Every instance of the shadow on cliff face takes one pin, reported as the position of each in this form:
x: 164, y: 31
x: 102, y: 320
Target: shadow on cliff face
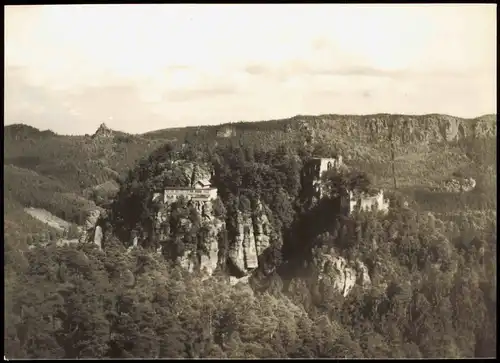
x: 301, y: 237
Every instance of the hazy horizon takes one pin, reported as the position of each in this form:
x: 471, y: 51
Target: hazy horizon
x: 140, y: 68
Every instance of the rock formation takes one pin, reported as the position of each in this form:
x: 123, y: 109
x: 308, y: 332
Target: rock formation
x: 210, y: 259
x: 226, y: 131
x: 459, y: 185
x: 341, y: 274
x: 243, y: 252
x: 90, y: 231
x: 203, y: 255
x: 98, y: 235
x: 235, y: 281
x: 404, y: 128
x: 262, y: 228
x: 252, y: 239
x: 102, y: 132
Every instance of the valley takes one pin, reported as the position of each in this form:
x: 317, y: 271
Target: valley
x: 266, y: 229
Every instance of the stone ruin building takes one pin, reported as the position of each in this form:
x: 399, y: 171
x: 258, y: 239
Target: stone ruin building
x: 312, y: 172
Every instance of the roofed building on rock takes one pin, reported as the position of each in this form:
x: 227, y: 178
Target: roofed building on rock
x: 200, y: 193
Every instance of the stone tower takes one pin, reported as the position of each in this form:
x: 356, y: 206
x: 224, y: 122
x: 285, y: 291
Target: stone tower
x: 313, y: 170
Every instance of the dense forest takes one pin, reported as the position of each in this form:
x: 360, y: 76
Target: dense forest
x: 431, y: 260
x: 433, y: 291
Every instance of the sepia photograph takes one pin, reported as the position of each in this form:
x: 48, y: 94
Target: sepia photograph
x: 250, y: 181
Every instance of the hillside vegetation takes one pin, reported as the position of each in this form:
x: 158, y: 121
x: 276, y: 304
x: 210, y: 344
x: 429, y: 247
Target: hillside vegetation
x: 430, y: 261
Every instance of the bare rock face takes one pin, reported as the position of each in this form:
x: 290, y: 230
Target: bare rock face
x: 262, y: 229
x: 342, y: 274
x: 248, y: 242
x: 237, y: 253
x: 92, y: 218
x: 103, y: 132
x: 252, y: 239
x: 98, y: 235
x: 363, y: 276
x: 195, y: 171
x: 235, y: 281
x: 210, y: 260
x: 89, y: 226
x: 226, y: 131
x: 400, y: 129
x: 202, y: 257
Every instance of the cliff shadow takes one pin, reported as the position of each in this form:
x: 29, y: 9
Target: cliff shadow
x: 301, y: 237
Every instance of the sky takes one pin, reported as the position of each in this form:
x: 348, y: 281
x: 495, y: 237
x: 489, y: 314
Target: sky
x: 139, y: 68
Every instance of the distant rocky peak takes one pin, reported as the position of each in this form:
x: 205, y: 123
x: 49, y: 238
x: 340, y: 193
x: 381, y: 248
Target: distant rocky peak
x: 103, y: 131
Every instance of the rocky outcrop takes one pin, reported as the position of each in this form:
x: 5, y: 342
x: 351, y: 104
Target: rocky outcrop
x: 210, y: 259
x: 194, y: 171
x: 243, y: 252
x: 252, y: 239
x: 103, y: 132
x: 459, y: 185
x: 90, y: 231
x: 202, y: 256
x: 98, y: 235
x: 135, y: 242
x: 363, y: 277
x: 406, y: 129
x: 343, y: 275
x: 226, y: 131
x: 235, y: 281
x: 191, y: 172
x: 262, y: 228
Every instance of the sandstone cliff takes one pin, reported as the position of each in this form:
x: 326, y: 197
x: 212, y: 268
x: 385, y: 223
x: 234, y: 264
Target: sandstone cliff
x: 91, y: 231
x: 337, y: 271
x: 400, y: 128
x: 194, y: 244
x: 206, y: 249
x: 252, y: 239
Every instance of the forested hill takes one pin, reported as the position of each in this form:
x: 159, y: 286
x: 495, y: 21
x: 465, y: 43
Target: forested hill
x: 367, y: 140
x: 417, y: 282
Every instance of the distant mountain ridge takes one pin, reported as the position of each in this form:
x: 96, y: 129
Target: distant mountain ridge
x: 421, y: 145
x: 487, y: 119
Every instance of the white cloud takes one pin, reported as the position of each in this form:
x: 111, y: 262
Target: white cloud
x: 152, y: 65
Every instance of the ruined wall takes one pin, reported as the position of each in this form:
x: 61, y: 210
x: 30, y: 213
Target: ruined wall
x: 367, y: 203
x: 313, y: 170
x: 311, y: 179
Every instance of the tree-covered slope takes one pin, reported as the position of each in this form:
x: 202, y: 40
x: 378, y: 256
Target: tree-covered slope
x: 428, y: 266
